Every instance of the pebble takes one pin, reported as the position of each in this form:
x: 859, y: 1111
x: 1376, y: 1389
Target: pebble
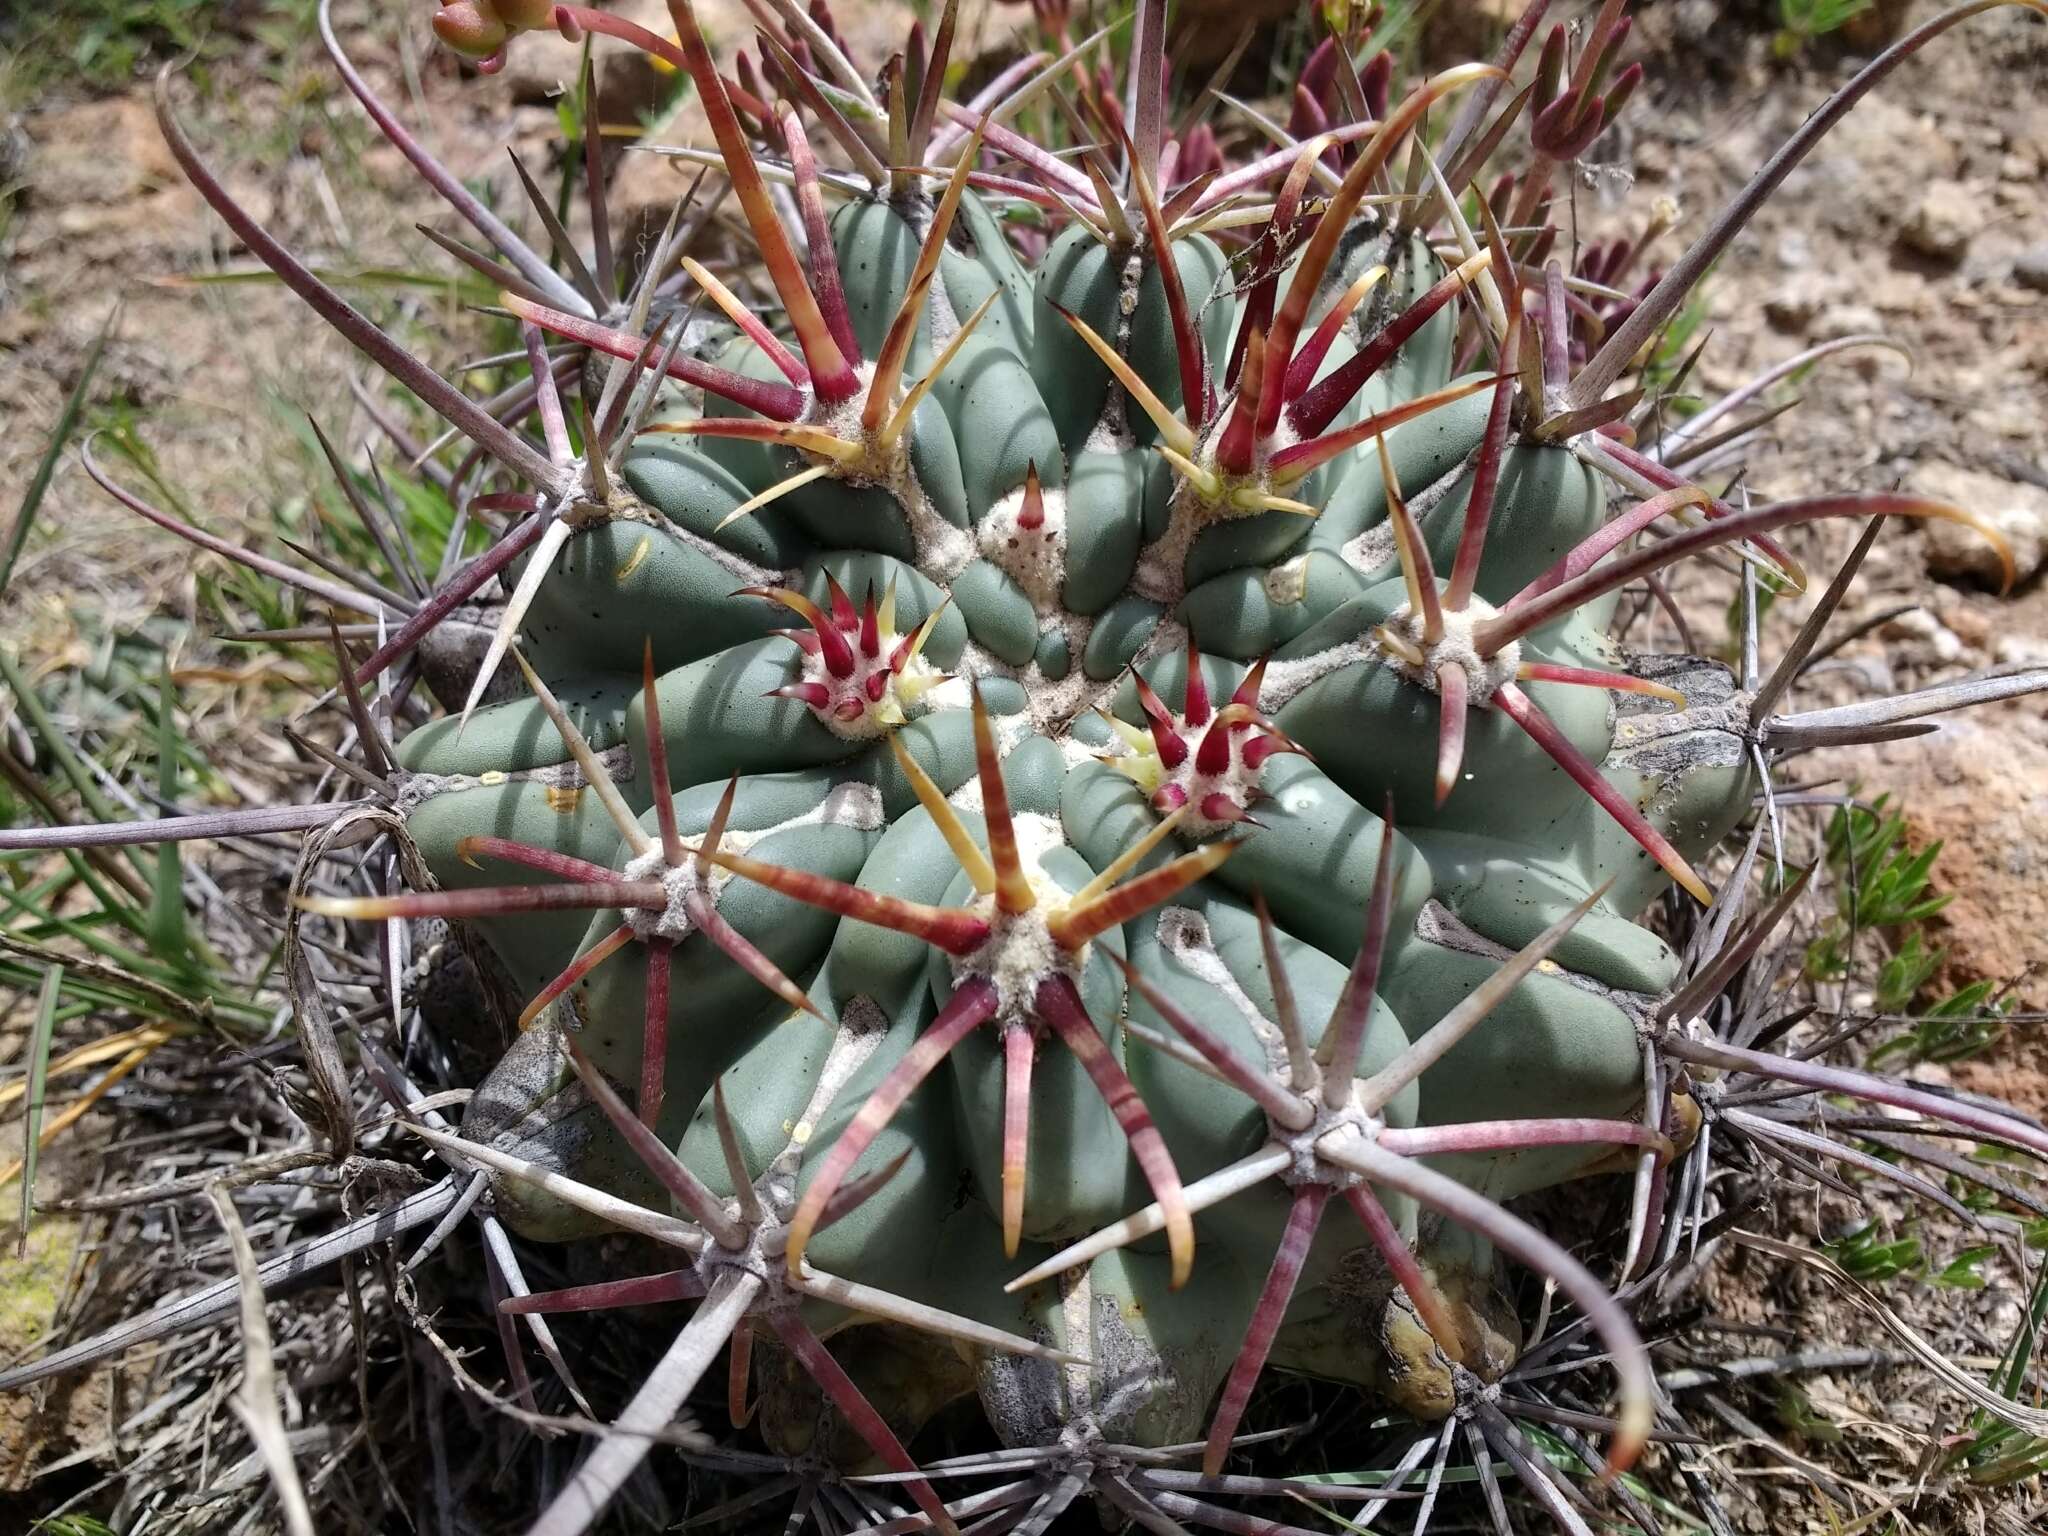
x: 1791, y: 306
x: 2018, y: 512
x: 1919, y: 636
x: 1840, y: 320
x: 1943, y: 223
x: 2030, y: 269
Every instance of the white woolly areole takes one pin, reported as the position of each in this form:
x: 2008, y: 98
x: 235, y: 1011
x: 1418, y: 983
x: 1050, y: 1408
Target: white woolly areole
x: 845, y: 805
x: 1485, y: 675
x: 1019, y: 952
x: 943, y: 551
x: 678, y: 883
x: 1035, y: 558
x: 581, y: 505
x: 1236, y: 779
x: 1308, y: 1165
x: 1161, y: 574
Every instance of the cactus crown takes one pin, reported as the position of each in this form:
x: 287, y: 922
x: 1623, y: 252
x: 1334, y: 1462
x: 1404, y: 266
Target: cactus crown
x: 1099, y: 709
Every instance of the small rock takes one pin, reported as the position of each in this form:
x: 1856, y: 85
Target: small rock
x: 1793, y: 304
x: 1968, y: 620
x: 1919, y: 636
x: 1943, y: 223
x: 1839, y: 320
x: 1871, y: 674
x: 2018, y: 512
x: 2030, y: 269
x: 1902, y: 293
x: 2020, y: 651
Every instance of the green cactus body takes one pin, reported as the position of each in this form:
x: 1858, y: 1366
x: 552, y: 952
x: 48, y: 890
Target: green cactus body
x: 1029, y: 516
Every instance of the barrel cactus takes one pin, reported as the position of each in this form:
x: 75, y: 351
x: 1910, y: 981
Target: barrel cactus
x: 1014, y: 781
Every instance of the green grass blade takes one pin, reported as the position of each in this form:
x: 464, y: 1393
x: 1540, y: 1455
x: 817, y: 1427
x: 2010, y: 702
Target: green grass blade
x: 58, y: 746
x: 83, y: 929
x: 2012, y: 1371
x: 105, y: 987
x: 39, y: 483
x: 38, y: 1073
x: 167, y: 934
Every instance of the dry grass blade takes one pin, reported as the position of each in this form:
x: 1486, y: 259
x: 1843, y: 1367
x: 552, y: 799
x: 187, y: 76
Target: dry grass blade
x: 213, y: 1301
x: 76, y: 1110
x: 259, y: 822
x: 107, y: 1048
x: 38, y: 1076
x: 256, y: 1402
x: 2032, y: 1421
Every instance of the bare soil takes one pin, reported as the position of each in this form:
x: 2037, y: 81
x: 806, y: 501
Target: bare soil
x: 1957, y: 138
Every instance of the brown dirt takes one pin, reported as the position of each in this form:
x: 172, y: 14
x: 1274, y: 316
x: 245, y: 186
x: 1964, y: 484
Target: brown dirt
x: 1957, y: 138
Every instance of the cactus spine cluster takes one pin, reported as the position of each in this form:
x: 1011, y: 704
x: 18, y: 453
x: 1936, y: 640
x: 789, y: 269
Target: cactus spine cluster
x: 1087, y: 739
